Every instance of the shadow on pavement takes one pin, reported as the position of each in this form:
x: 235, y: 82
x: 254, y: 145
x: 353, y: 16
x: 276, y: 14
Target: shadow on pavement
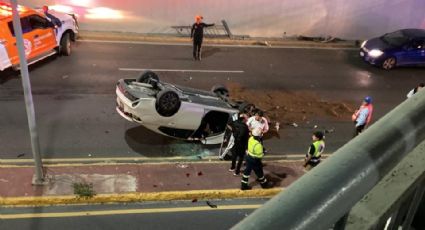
x: 150, y: 144
x: 8, y: 75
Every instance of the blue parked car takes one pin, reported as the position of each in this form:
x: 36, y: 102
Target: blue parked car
x: 399, y: 48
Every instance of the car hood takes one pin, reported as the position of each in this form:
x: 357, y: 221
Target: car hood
x: 377, y: 43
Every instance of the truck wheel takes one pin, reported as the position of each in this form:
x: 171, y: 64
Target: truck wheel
x: 167, y: 103
x: 65, y: 45
x: 220, y: 90
x: 148, y: 77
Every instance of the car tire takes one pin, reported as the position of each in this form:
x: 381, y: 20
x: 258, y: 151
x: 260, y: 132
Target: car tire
x: 167, y: 103
x: 220, y: 91
x: 65, y: 45
x: 389, y: 63
x: 247, y: 108
x: 147, y: 76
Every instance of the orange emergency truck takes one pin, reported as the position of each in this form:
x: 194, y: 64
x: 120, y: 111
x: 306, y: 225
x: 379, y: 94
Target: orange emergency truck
x: 41, y: 37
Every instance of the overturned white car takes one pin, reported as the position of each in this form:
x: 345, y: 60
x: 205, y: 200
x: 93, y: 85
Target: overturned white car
x: 176, y: 111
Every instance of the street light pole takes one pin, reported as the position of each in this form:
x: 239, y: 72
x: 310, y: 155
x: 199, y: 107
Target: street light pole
x: 39, y: 177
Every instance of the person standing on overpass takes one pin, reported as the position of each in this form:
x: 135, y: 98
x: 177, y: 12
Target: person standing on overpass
x: 197, y: 35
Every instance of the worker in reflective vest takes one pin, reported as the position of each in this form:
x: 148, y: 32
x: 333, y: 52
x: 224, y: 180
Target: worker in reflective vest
x: 315, y: 151
x: 253, y: 161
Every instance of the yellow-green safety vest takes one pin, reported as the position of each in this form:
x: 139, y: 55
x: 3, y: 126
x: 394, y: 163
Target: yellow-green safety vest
x: 255, y: 148
x: 317, y: 147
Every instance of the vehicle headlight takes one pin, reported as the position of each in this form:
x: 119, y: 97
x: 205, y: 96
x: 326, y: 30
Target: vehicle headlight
x: 375, y: 53
x: 363, y: 44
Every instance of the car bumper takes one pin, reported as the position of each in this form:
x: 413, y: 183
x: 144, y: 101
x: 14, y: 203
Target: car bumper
x: 124, y: 109
x: 371, y: 60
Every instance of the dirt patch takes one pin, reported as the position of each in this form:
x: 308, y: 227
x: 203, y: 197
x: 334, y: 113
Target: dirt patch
x: 288, y: 106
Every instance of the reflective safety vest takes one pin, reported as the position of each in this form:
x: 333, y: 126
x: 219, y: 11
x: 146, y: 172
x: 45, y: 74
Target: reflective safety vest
x: 255, y: 148
x: 319, y: 147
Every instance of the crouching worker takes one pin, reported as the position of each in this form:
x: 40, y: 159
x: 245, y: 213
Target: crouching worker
x: 315, y: 151
x: 253, y: 159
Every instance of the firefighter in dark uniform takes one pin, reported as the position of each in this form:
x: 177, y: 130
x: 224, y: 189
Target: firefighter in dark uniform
x: 197, y: 34
x: 240, y: 133
x: 254, y: 154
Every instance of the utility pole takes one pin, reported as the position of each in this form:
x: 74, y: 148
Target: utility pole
x: 35, y: 145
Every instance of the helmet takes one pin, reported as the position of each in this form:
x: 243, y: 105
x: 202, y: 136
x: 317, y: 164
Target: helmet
x: 368, y: 99
x: 256, y: 132
x: 198, y: 17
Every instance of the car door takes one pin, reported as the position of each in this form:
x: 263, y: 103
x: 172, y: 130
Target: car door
x: 44, y: 37
x: 38, y: 38
x: 422, y: 53
x: 413, y: 52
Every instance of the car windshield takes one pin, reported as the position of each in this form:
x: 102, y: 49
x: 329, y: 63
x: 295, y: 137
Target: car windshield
x: 396, y: 38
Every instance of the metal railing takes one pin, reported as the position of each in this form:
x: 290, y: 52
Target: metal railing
x: 213, y: 31
x: 327, y: 193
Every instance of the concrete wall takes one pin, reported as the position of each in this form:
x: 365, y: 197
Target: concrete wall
x: 261, y: 18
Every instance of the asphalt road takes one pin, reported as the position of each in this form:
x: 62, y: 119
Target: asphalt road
x: 74, y: 96
x: 222, y: 214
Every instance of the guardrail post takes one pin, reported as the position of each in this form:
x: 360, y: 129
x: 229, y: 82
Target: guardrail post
x: 226, y: 27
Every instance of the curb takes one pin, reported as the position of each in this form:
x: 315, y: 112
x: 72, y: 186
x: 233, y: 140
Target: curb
x: 193, y: 195
x: 141, y: 160
x: 171, y: 38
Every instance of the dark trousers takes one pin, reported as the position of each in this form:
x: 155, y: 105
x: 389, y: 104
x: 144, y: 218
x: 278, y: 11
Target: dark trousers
x: 255, y: 164
x: 197, y: 44
x: 359, y: 129
x: 238, y: 154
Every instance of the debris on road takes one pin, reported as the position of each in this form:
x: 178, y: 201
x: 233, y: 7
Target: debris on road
x: 194, y: 200
x: 291, y: 106
x: 183, y: 166
x: 200, y: 173
x: 20, y: 155
x: 211, y: 204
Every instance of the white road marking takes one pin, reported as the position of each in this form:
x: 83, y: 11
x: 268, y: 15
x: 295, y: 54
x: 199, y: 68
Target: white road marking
x: 183, y: 70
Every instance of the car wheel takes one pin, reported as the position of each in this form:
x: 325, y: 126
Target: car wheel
x: 220, y: 90
x: 389, y: 63
x: 167, y: 103
x: 148, y: 77
x: 65, y: 45
x: 247, y: 108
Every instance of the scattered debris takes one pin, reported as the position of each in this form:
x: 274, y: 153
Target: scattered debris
x: 155, y: 185
x: 107, y: 131
x: 194, y: 200
x: 287, y: 107
x: 200, y: 173
x: 330, y: 130
x: 65, y: 76
x: 20, y: 155
x: 188, y: 184
x: 4, y: 180
x: 277, y: 126
x: 89, y: 155
x: 187, y: 174
x: 211, y: 204
x: 315, y: 127
x: 183, y: 166
x: 295, y: 125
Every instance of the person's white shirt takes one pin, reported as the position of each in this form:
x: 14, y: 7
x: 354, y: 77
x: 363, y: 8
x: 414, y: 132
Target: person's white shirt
x: 262, y: 124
